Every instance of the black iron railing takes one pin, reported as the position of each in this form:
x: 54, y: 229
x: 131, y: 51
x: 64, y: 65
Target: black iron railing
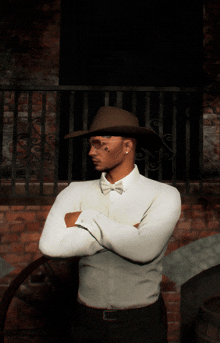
x: 35, y: 160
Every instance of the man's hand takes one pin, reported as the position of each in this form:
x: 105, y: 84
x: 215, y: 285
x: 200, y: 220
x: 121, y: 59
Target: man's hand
x: 71, y: 218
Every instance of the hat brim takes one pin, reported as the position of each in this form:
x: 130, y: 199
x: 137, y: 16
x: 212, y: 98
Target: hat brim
x: 145, y: 136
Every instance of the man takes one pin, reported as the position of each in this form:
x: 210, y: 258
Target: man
x: 120, y: 226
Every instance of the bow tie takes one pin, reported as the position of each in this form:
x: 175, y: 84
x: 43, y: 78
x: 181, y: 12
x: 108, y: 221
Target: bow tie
x: 107, y: 187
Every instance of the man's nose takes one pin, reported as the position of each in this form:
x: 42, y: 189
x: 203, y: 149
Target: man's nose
x: 92, y: 151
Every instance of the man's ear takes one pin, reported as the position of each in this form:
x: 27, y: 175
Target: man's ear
x: 130, y: 143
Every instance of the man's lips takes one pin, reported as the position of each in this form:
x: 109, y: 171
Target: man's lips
x: 95, y: 161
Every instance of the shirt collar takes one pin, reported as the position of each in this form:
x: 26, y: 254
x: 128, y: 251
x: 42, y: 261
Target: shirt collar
x: 127, y: 181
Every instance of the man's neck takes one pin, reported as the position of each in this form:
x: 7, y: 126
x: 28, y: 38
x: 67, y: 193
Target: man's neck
x: 115, y: 175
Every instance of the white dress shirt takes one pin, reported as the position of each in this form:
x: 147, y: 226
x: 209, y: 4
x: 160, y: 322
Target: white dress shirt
x: 120, y: 265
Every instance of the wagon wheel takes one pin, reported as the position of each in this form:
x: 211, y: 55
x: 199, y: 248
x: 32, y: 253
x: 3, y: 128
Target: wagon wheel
x: 55, y: 293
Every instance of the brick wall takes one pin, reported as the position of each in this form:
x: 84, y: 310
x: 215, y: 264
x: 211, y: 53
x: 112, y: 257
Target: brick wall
x: 29, y: 54
x: 21, y: 227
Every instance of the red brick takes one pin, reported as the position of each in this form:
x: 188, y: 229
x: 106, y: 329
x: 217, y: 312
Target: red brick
x: 171, y: 296
x: 198, y: 225
x: 204, y: 234
x: 173, y: 337
x: 184, y: 225
x: 46, y: 208
x: 15, y: 258
x: 209, y: 215
x: 4, y: 208
x: 33, y: 226
x: 4, y: 227
x: 195, y: 214
x: 1, y: 217
x: 168, y: 286
x: 9, y: 237
x: 217, y: 214
x: 4, y: 248
x: 18, y: 227
x: 20, y: 266
x: 213, y: 225
x: 42, y: 215
x: 37, y: 255
x: 173, y: 317
x: 20, y: 216
x: 174, y: 327
x: 171, y: 247
x: 184, y: 243
x: 178, y: 234
x: 17, y: 208
x: 165, y: 278
x: 185, y: 207
x: 188, y: 237
x: 32, y: 247
x: 182, y: 215
x: 173, y: 307
x: 197, y: 207
x: 17, y: 247
x: 33, y: 208
x: 7, y: 279
x: 26, y: 237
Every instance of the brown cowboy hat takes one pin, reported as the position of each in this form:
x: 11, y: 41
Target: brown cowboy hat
x: 115, y: 121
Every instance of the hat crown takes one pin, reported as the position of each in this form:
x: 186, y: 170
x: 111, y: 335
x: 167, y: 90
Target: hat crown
x: 108, y: 116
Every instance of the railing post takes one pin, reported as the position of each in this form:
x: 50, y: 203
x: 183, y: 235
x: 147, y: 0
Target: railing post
x: 29, y: 143
x: 1, y: 128
x: 71, y: 128
x: 174, y: 139
x: 43, y: 139
x: 119, y: 99
x: 147, y: 120
x: 187, y: 149
x: 14, y: 151
x: 106, y: 101
x: 134, y: 103
x: 201, y: 149
x: 85, y: 126
x: 161, y: 106
x: 57, y: 130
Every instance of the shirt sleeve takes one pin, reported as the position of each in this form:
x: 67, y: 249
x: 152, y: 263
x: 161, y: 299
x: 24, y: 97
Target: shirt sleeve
x: 145, y: 243
x: 59, y: 241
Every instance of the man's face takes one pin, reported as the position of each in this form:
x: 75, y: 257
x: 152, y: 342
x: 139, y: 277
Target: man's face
x: 107, y: 152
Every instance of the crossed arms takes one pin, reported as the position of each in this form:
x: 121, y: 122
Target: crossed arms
x: 71, y: 218
x: 67, y: 233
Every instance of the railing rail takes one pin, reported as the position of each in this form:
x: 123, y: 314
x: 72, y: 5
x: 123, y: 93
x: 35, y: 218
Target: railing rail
x: 99, y: 88
x: 33, y: 120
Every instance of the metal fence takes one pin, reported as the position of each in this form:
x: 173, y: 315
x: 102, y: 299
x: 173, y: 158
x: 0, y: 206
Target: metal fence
x: 36, y: 161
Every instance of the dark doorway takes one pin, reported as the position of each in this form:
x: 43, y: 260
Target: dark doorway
x: 142, y: 42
